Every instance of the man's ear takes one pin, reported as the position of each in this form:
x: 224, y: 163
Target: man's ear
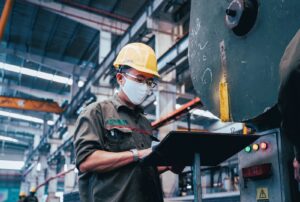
x: 120, y: 79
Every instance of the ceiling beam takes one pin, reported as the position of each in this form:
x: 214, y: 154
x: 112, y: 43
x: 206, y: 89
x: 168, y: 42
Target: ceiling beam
x: 83, y: 53
x: 70, y: 40
x: 36, y: 93
x: 51, y: 34
x: 33, y: 20
x: 21, y: 136
x: 22, y: 124
x: 13, y: 146
x: 16, y: 128
x: 89, y: 19
x: 57, y: 65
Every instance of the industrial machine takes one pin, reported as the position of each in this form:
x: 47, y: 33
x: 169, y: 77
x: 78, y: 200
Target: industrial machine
x: 264, y: 168
x: 247, y: 62
x: 234, y: 52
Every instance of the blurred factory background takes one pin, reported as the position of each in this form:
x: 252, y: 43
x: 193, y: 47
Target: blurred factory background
x: 56, y: 58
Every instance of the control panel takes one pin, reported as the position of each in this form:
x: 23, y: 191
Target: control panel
x: 265, y: 171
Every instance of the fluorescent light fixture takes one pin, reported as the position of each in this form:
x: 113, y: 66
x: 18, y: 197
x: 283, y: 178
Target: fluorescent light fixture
x: 29, y: 72
x: 22, y: 117
x: 9, y: 67
x: 61, y: 79
x: 43, y: 75
x: 11, y: 165
x: 8, y: 139
x: 35, y: 73
x: 50, y: 122
x: 80, y: 83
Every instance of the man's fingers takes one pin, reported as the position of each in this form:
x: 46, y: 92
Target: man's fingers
x: 296, y: 170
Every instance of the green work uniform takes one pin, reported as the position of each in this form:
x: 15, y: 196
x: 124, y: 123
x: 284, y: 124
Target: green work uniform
x: 112, y: 126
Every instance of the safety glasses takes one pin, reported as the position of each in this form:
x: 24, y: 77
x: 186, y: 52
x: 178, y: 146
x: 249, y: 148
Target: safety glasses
x: 149, y: 82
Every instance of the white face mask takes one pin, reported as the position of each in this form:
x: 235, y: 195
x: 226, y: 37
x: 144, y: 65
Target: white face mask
x: 135, y: 91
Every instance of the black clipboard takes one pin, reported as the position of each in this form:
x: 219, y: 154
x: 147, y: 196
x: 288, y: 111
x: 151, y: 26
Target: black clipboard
x: 178, y: 148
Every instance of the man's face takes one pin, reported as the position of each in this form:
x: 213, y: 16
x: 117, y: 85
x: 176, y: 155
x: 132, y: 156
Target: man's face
x: 137, y: 92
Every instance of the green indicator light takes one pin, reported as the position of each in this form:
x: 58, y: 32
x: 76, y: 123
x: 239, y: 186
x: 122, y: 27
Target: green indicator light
x: 248, y: 149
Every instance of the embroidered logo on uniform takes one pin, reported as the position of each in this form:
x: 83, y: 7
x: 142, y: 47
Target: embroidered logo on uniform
x: 117, y: 122
x: 123, y: 124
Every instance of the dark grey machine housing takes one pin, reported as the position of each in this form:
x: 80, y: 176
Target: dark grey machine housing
x: 255, y: 38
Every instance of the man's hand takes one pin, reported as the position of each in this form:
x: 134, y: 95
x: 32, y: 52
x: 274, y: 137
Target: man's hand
x: 174, y: 169
x: 296, y: 165
x: 177, y: 169
x: 145, y: 152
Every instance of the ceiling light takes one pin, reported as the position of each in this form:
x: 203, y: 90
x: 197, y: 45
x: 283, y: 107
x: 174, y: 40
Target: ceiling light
x: 9, y: 67
x: 43, y: 75
x: 50, y: 122
x: 35, y: 73
x: 29, y: 72
x: 80, y: 83
x: 8, y: 139
x: 22, y: 117
x: 11, y: 165
x: 61, y: 79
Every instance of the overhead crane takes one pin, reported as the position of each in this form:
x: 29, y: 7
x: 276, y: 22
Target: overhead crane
x: 32, y: 105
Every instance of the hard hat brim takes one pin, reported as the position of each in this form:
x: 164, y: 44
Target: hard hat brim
x: 140, y: 69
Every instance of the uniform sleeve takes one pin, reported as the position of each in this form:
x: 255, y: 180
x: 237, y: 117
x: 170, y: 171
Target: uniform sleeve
x: 297, y: 153
x: 289, y: 94
x: 88, y: 134
x: 289, y: 99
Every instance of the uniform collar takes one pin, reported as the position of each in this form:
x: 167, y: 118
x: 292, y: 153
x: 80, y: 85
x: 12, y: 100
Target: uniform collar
x: 119, y: 104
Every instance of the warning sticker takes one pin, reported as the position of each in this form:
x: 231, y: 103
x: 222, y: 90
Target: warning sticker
x: 262, y: 194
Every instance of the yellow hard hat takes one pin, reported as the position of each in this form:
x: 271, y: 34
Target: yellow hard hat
x: 32, y: 189
x: 22, y: 193
x: 138, y: 56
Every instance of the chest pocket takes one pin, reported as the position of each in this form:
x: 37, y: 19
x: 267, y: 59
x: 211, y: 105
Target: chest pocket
x: 118, y: 139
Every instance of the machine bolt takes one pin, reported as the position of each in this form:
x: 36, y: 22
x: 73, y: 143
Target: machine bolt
x: 231, y: 12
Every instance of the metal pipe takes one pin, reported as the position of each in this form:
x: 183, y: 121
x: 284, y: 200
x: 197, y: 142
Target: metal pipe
x: 4, y: 17
x: 177, y: 113
x: 61, y: 174
x: 109, y: 26
x: 197, y: 178
x: 97, y: 10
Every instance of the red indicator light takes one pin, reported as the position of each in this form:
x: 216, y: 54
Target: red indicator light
x: 263, y: 145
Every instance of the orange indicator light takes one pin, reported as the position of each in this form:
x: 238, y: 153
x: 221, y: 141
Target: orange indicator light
x: 255, y: 147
